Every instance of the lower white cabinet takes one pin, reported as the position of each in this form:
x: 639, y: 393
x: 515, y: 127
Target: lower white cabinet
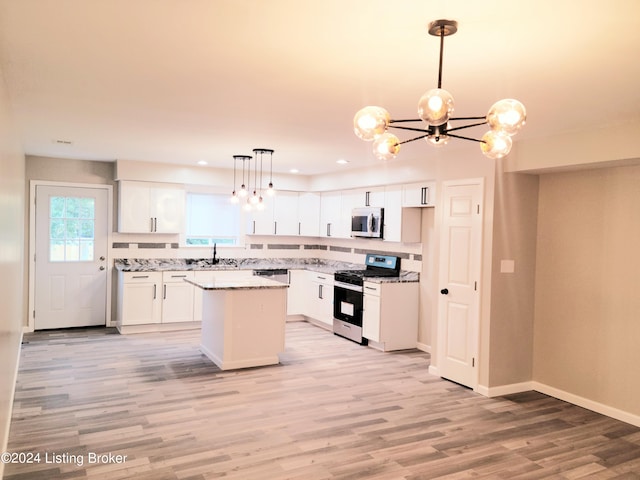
x: 311, y: 295
x: 139, y: 298
x: 177, y: 297
x: 147, y: 298
x: 298, y: 293
x: 322, y: 298
x: 390, y: 315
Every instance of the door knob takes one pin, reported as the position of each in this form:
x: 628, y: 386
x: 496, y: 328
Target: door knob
x: 444, y: 291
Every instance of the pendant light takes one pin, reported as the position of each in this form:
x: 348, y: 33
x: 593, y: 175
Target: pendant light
x: 435, y: 108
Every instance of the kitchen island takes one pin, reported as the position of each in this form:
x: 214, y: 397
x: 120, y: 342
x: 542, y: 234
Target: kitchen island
x: 243, y: 321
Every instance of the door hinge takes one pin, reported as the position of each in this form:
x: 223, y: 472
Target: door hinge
x: 475, y: 286
x: 478, y: 209
x: 473, y: 362
x: 34, y: 314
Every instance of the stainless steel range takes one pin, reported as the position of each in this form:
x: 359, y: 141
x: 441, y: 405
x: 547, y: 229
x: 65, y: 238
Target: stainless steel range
x: 348, y: 294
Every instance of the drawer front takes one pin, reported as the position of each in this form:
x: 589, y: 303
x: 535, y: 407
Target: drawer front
x: 169, y: 277
x: 372, y: 288
x: 142, y: 277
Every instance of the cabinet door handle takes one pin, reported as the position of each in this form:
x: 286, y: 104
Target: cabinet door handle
x: 151, y: 227
x: 371, y: 288
x: 178, y: 276
x: 366, y: 199
x: 140, y: 276
x: 164, y: 292
x: 254, y: 227
x: 320, y: 292
x: 299, y: 227
x: 154, y: 291
x: 328, y: 229
x: 275, y: 228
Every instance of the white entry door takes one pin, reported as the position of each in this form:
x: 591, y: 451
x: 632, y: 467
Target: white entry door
x: 70, y: 257
x: 458, y: 306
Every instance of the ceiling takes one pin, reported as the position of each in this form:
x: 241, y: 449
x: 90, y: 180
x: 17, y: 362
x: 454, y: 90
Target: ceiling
x: 180, y: 81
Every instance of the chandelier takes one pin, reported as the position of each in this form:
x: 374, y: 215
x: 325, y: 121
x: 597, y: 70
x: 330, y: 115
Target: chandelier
x: 255, y: 200
x: 435, y: 108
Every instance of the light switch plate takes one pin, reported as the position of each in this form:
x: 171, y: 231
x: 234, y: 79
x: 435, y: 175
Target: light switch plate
x: 507, y: 266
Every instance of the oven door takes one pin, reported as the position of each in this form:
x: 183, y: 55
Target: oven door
x: 347, y: 303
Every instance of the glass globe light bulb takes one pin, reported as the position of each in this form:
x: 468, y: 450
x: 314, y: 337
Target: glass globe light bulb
x: 243, y: 191
x: 370, y: 122
x: 507, y: 115
x: 260, y: 205
x: 247, y: 206
x: 386, y: 146
x: 271, y: 191
x: 234, y: 197
x: 496, y: 144
x: 254, y: 198
x: 436, y: 106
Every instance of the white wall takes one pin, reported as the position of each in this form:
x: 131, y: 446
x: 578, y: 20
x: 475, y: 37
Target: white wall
x: 12, y: 208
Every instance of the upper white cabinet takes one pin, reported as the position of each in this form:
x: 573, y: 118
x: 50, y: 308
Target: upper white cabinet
x: 288, y: 213
x: 285, y: 214
x: 400, y: 224
x: 150, y: 208
x: 331, y: 218
x: 419, y: 194
x: 309, y: 214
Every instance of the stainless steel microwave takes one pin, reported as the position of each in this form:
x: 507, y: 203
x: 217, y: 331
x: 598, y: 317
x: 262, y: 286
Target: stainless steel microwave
x: 367, y: 222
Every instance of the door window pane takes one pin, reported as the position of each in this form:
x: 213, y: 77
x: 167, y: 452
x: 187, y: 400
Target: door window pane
x: 71, y: 229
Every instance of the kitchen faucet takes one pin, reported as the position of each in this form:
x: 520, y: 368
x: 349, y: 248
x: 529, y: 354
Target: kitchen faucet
x: 214, y: 260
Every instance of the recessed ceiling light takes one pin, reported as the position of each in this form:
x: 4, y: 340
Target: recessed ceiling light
x: 294, y: 170
x: 202, y: 162
x: 342, y: 161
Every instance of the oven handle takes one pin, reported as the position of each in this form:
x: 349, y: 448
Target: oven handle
x: 348, y: 286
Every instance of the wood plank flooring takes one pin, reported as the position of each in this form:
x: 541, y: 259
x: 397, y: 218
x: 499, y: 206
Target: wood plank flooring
x: 331, y: 410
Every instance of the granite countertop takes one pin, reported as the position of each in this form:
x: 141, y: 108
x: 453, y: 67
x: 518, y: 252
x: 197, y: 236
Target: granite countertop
x: 251, y: 283
x: 328, y: 267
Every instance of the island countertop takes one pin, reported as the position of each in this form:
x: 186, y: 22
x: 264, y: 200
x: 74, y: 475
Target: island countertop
x: 249, y: 283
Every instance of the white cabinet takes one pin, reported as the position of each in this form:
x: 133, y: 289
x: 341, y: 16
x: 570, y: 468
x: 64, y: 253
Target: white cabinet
x: 321, y: 302
x: 309, y: 214
x: 139, y: 298
x: 285, y: 215
x: 331, y: 220
x: 292, y: 214
x: 390, y: 315
x: 298, y: 293
x: 261, y: 221
x: 177, y: 297
x: 400, y: 224
x: 150, y: 208
x: 419, y: 194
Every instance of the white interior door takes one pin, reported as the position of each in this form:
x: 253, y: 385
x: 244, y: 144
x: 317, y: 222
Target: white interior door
x: 70, y: 257
x: 458, y: 306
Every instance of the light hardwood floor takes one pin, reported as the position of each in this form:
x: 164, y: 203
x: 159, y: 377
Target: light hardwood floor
x: 331, y: 410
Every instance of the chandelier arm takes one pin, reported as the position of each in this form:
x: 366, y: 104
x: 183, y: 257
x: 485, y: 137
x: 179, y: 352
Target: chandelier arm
x: 465, y: 138
x: 413, y: 139
x: 410, y: 129
x: 406, y: 120
x: 469, y: 118
x: 465, y: 126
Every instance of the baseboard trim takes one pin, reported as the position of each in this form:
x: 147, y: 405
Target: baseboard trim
x: 433, y: 370
x: 587, y: 403
x: 424, y: 347
x: 583, y: 402
x: 505, y: 389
